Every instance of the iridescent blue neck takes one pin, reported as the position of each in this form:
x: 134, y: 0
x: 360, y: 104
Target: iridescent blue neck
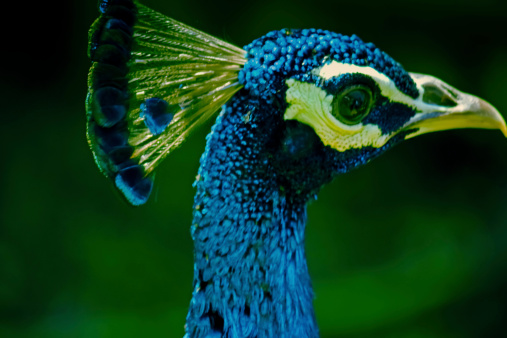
x: 250, y: 274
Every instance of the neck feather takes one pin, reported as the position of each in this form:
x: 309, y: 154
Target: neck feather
x: 250, y: 274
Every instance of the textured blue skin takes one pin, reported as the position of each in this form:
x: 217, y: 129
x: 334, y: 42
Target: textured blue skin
x: 257, y: 175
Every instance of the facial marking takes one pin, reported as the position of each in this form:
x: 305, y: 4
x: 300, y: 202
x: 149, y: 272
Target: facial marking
x: 387, y: 86
x: 311, y: 105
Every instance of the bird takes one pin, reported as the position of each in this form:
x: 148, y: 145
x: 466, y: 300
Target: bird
x: 294, y: 109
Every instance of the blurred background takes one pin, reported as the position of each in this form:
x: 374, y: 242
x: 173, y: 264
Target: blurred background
x: 412, y: 245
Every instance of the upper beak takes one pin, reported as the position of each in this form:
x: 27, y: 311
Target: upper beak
x: 442, y: 107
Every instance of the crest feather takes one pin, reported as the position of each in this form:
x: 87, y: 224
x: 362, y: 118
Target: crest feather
x: 152, y: 82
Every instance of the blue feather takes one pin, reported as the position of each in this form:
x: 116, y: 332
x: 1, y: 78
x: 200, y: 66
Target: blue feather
x: 109, y: 106
x: 134, y: 185
x: 157, y: 115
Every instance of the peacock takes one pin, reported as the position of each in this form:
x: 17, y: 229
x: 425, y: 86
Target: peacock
x: 297, y: 108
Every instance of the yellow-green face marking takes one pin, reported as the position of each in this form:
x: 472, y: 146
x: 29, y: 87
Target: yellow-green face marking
x: 312, y: 105
x: 438, y: 107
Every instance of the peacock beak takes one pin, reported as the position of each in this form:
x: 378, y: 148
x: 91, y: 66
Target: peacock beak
x: 442, y: 107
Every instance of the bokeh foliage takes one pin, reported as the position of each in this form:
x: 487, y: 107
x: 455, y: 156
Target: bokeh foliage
x: 412, y: 245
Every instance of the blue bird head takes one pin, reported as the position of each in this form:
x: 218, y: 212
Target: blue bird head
x: 323, y: 103
x: 345, y: 102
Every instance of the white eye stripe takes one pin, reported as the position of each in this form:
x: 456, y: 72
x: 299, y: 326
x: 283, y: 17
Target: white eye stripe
x: 387, y: 86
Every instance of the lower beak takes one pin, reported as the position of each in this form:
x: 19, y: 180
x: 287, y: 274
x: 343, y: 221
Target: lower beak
x: 442, y: 107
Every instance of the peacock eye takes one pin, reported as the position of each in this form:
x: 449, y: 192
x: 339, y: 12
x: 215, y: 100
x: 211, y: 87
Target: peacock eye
x: 353, y: 104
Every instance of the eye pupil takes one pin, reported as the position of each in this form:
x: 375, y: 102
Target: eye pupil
x: 352, y: 105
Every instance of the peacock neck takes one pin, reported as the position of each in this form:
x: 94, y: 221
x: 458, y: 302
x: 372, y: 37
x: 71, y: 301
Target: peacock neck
x: 250, y: 273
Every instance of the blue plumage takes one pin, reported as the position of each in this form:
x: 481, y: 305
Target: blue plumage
x: 288, y: 53
x: 109, y: 106
x: 249, y: 222
x: 298, y: 108
x: 132, y: 183
x: 157, y: 114
x: 250, y: 268
x: 108, y: 100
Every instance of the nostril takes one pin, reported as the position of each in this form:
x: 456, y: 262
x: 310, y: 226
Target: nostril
x: 451, y: 91
x: 439, y: 96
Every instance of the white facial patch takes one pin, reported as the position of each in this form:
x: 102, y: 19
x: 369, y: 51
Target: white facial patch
x: 312, y: 106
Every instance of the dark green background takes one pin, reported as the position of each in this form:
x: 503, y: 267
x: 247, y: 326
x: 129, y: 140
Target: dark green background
x: 412, y: 245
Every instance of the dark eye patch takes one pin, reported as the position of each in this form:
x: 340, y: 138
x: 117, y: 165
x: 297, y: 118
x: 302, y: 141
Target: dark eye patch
x: 340, y: 83
x: 389, y: 116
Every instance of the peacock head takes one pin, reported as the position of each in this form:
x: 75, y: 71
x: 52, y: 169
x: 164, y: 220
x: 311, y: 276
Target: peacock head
x: 323, y: 103
x: 345, y: 102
